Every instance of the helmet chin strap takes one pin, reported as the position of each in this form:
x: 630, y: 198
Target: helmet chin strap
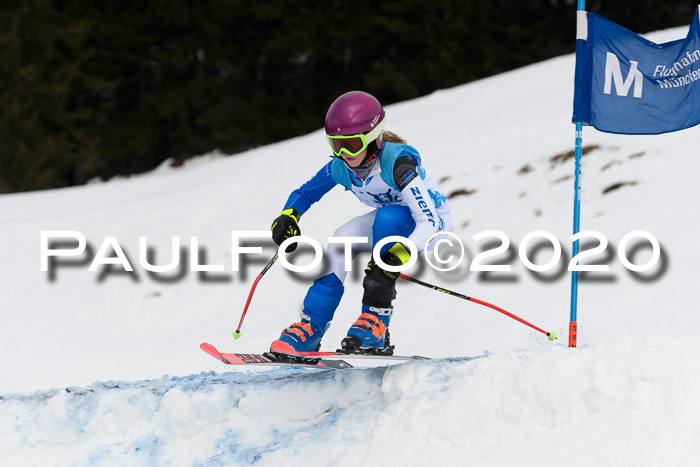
x: 373, y: 149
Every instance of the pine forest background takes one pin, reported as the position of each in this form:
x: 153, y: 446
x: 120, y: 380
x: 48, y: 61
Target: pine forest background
x: 96, y: 89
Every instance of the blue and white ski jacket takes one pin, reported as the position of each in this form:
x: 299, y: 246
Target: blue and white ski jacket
x: 429, y: 207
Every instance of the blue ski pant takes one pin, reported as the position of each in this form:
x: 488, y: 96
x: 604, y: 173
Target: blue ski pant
x: 324, y: 296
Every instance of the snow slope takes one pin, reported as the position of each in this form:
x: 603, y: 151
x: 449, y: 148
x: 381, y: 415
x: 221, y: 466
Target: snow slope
x: 624, y: 403
x: 498, y: 138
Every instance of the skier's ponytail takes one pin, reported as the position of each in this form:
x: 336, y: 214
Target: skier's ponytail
x: 393, y: 138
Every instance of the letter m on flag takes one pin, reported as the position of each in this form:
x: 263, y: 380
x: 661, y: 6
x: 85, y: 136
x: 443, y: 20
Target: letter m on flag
x: 613, y: 74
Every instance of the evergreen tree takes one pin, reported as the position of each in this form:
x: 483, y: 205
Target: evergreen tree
x: 41, y: 144
x: 97, y: 89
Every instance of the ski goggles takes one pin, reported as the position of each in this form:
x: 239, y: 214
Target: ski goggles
x: 353, y: 145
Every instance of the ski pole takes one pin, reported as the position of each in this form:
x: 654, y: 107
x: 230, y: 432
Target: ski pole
x: 550, y: 335
x: 237, y: 332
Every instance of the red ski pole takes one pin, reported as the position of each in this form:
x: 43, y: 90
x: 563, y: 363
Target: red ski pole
x: 550, y: 335
x: 237, y: 332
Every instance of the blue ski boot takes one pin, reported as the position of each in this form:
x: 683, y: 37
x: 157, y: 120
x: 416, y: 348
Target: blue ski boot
x: 369, y: 333
x: 303, y: 336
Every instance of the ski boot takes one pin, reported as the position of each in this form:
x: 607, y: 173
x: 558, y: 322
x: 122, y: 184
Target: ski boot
x: 303, y: 336
x: 370, y: 333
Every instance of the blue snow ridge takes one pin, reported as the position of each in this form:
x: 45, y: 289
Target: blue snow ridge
x: 234, y: 418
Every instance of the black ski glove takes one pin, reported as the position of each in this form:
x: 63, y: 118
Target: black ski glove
x: 397, y: 255
x: 285, y: 226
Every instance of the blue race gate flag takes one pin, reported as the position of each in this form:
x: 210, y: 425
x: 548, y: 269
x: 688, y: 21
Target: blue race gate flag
x: 627, y: 84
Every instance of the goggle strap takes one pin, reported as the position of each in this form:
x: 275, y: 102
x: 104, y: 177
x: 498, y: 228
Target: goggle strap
x: 374, y: 134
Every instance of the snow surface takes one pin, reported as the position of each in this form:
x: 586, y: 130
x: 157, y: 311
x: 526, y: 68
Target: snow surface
x: 626, y: 396
x: 623, y: 403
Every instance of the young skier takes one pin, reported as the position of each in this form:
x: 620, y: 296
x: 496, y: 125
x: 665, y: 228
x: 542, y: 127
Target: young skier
x: 386, y: 174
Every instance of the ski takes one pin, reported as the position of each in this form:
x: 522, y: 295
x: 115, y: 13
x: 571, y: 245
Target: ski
x: 370, y: 356
x: 274, y: 359
x: 283, y: 348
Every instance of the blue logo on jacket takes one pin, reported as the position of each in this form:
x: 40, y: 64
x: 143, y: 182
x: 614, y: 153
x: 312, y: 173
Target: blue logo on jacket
x: 385, y: 198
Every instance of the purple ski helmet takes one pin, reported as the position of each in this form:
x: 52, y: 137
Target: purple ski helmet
x: 354, y: 120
